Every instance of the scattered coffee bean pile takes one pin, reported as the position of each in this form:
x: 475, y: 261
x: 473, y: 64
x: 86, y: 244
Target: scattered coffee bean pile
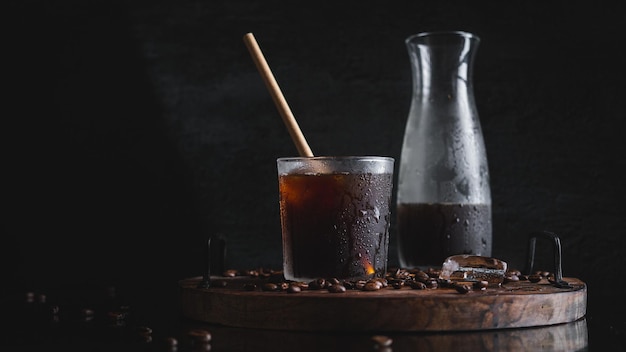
x: 395, y: 278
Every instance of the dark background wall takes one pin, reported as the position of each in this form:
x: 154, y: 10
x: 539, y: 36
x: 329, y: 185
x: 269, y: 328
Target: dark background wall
x: 132, y: 131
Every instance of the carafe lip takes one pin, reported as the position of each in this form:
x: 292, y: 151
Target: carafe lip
x: 453, y: 33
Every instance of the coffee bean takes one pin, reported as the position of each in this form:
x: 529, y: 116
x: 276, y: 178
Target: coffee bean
x: 431, y: 283
x: 416, y: 285
x: 511, y: 278
x: 337, y: 288
x: 252, y: 273
x: 294, y: 289
x: 401, y: 274
x: 534, y: 278
x: 317, y: 284
x: 434, y: 273
x: 462, y: 288
x: 199, y: 335
x: 360, y: 284
x: 445, y: 283
x: 395, y: 277
x: 349, y: 285
x: 372, y: 286
x: 302, y: 285
x: 380, y: 282
x: 334, y: 281
x: 422, y: 276
x: 398, y: 284
x: 514, y: 272
x: 269, y: 287
x: 481, y: 285
x: 230, y: 273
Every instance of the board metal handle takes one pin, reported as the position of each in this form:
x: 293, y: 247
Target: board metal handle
x: 558, y: 273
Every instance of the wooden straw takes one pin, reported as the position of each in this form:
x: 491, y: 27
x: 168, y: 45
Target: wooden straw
x: 277, y: 96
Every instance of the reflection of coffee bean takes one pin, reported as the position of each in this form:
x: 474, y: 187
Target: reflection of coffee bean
x: 381, y: 341
x: 41, y: 298
x: 219, y: 283
x: 114, y: 315
x: 171, y: 341
x: 144, y: 330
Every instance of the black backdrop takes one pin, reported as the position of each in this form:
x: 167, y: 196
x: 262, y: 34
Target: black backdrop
x: 132, y: 131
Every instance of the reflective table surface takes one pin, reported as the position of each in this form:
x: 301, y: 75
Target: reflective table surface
x: 126, y: 319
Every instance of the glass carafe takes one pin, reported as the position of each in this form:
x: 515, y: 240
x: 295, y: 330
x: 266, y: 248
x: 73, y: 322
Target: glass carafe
x: 444, y: 196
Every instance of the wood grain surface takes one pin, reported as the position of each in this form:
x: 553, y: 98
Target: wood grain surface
x: 512, y: 305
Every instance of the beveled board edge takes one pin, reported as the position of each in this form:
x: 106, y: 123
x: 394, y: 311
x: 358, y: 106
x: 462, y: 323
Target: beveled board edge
x: 512, y: 306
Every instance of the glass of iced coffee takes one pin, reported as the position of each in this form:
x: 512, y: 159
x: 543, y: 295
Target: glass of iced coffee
x: 335, y: 216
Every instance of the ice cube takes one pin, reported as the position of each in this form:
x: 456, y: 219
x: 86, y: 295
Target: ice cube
x: 466, y: 267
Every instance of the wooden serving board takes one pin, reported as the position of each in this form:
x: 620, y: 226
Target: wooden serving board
x: 513, y: 305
